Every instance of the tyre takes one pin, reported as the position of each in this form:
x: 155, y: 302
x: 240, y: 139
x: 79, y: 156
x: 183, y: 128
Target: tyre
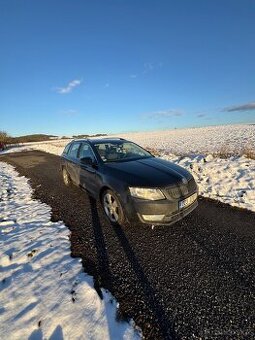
x: 112, y: 208
x: 66, y: 177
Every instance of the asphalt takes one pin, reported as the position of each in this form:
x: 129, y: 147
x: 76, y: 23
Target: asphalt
x: 192, y: 280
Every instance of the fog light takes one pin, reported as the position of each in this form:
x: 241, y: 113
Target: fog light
x: 153, y: 218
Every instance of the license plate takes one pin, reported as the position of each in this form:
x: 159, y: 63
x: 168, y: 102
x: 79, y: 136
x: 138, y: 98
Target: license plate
x: 188, y: 201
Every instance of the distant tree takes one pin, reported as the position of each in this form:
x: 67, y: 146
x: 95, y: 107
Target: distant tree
x: 4, y: 137
x: 99, y: 134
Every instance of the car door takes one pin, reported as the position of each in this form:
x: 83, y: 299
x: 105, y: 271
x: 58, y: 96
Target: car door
x: 73, y: 167
x: 87, y: 172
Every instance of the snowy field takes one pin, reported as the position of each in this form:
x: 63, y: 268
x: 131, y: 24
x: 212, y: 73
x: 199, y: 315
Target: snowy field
x: 230, y: 180
x: 44, y: 292
x: 181, y: 142
x: 205, y: 140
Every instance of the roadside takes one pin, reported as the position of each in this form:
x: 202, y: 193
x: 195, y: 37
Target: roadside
x: 191, y: 280
x: 44, y: 292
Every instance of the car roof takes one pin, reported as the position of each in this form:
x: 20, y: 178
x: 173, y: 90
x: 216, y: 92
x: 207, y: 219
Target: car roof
x: 100, y: 140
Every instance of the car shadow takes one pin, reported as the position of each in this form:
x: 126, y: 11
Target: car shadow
x: 149, y: 293
x: 57, y: 334
x: 103, y: 272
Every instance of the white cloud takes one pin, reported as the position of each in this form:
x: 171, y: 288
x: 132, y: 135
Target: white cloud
x: 70, y: 112
x: 70, y: 86
x: 201, y: 115
x: 151, y: 67
x: 148, y: 67
x: 243, y: 107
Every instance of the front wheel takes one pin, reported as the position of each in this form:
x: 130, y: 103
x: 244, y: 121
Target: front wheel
x: 112, y: 208
x: 66, y: 177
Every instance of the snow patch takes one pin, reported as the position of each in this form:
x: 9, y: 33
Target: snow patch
x: 229, y: 180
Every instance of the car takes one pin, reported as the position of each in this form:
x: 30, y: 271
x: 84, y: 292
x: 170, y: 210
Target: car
x: 130, y: 182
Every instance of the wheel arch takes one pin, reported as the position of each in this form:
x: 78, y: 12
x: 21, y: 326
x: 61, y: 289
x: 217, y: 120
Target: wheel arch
x: 102, y: 190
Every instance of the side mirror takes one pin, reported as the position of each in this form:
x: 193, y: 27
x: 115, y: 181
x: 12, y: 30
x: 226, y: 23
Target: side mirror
x: 87, y: 161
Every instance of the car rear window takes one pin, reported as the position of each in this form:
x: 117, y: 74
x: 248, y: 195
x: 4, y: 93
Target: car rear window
x: 72, y: 152
x: 86, y: 151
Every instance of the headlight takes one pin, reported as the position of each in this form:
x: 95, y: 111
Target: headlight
x: 147, y: 194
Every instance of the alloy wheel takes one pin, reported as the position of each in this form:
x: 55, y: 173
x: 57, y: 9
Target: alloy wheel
x: 65, y: 177
x: 111, y: 207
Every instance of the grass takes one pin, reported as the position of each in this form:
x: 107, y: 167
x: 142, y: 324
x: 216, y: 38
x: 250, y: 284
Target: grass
x: 153, y: 151
x: 249, y: 152
x: 224, y: 152
x: 227, y: 152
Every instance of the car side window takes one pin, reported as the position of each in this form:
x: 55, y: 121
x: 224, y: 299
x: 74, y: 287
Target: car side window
x: 72, y: 152
x: 86, y: 151
x: 66, y: 149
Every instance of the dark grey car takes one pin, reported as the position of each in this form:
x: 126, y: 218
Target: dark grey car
x: 130, y: 182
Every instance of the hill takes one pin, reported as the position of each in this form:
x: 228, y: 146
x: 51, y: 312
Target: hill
x: 31, y: 138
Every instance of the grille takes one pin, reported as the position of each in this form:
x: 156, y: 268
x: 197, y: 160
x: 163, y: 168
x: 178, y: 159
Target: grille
x: 181, y: 189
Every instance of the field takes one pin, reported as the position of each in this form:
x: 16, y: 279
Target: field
x: 205, y: 140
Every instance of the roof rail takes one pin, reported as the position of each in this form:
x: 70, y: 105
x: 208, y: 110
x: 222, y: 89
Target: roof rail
x: 78, y: 139
x: 114, y: 138
x: 89, y: 139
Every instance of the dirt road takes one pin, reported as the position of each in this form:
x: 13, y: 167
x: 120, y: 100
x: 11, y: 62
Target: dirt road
x: 192, y: 280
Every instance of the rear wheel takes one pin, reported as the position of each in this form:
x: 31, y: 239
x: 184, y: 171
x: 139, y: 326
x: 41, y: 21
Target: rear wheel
x: 66, y: 177
x: 112, y: 208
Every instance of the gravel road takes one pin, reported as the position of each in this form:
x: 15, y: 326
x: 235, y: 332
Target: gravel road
x: 192, y: 280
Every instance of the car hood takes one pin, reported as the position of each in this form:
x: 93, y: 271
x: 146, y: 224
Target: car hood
x: 148, y: 172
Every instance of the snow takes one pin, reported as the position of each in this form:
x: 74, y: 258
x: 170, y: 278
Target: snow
x: 44, y: 292
x: 229, y: 180
x: 202, y: 140
x: 54, y: 147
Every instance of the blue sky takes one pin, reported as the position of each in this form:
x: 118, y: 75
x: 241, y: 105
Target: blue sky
x: 79, y: 66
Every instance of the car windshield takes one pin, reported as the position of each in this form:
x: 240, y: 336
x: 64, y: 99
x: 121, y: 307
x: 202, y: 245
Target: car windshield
x: 120, y: 151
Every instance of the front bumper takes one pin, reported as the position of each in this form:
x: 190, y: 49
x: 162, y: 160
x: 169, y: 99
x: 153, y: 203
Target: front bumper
x: 169, y: 209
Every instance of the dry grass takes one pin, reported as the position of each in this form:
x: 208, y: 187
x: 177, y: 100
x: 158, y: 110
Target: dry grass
x: 153, y: 151
x: 249, y: 152
x: 226, y: 152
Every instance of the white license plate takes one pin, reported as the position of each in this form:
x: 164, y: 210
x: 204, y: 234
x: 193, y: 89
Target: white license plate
x: 188, y: 201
